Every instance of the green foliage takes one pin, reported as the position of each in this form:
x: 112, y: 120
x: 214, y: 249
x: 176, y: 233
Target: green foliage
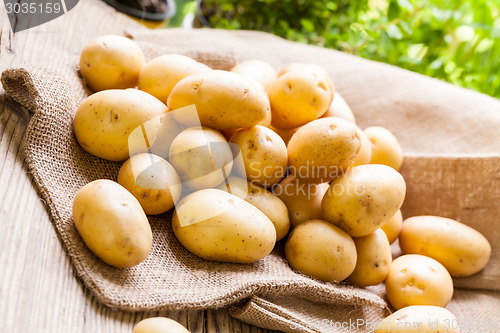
x: 453, y: 40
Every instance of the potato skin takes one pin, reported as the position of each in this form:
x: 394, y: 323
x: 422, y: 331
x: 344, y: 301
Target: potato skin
x: 340, y: 108
x: 321, y: 250
x: 461, y: 249
x: 418, y: 280
x: 264, y: 154
x: 364, y: 198
x: 159, y: 325
x: 224, y: 100
x: 385, y: 147
x: 264, y: 200
x: 392, y: 228
x: 198, y: 166
x: 111, y: 62
x: 323, y: 149
x: 374, y: 259
x: 112, y: 223
x: 224, y: 227
x: 297, y: 98
x: 104, y: 121
x: 303, y: 200
x: 152, y: 181
x: 160, y: 75
x: 258, y: 70
x: 365, y: 151
x: 419, y: 319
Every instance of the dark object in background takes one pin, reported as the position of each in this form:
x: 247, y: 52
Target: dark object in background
x: 151, y: 10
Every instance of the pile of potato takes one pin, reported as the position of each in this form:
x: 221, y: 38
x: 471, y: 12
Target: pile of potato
x: 306, y: 174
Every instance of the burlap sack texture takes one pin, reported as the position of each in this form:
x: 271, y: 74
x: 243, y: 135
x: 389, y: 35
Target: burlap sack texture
x: 452, y: 169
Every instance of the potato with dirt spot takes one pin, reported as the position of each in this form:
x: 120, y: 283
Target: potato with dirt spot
x: 321, y: 250
x: 264, y: 154
x: 224, y: 100
x: 112, y: 223
x: 263, y: 199
x: 364, y: 198
x: 392, y: 228
x: 152, y: 181
x: 160, y: 75
x: 303, y: 200
x: 111, y: 62
x: 217, y: 225
x: 323, y: 149
x: 105, y: 120
x: 373, y: 261
x: 258, y: 70
x: 418, y: 280
x: 463, y: 250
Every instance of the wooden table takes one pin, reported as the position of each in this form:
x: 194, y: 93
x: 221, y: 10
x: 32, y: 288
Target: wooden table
x: 39, y: 291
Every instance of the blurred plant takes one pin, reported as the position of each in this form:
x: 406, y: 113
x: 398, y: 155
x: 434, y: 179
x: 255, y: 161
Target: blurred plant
x: 453, y: 40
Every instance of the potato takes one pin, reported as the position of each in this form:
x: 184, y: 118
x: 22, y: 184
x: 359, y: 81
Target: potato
x: 419, y: 319
x: 111, y: 62
x: 104, y: 121
x: 385, y: 147
x: 303, y: 200
x: 364, y: 198
x: 216, y: 225
x: 223, y: 99
x: 392, y: 228
x: 263, y: 199
x: 199, y: 154
x: 285, y: 134
x: 315, y: 70
x: 323, y: 149
x: 418, y: 280
x: 152, y: 181
x: 339, y: 108
x: 321, y: 250
x: 258, y: 70
x: 461, y: 249
x: 297, y: 98
x: 264, y: 154
x: 159, y: 325
x: 161, y: 74
x: 365, y: 152
x: 112, y: 223
x: 373, y: 261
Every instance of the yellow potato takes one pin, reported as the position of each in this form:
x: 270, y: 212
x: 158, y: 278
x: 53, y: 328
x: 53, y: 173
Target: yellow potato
x: 419, y: 319
x: 152, y: 181
x: 365, y: 152
x: 339, y: 108
x: 313, y: 69
x: 297, y: 98
x: 258, y: 70
x: 111, y: 62
x: 159, y: 325
x: 201, y: 156
x: 385, y: 147
x: 112, y: 223
x: 264, y: 154
x: 374, y: 259
x: 263, y: 199
x: 364, y: 198
x: 104, y: 121
x: 161, y: 74
x: 323, y: 149
x: 303, y: 200
x: 285, y: 134
x: 418, y: 280
x: 321, y: 250
x: 392, y: 228
x: 216, y: 225
x: 223, y: 99
x: 461, y: 249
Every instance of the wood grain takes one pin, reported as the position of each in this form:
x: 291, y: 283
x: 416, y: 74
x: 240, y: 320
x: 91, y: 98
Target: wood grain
x: 38, y: 289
